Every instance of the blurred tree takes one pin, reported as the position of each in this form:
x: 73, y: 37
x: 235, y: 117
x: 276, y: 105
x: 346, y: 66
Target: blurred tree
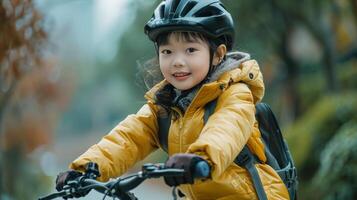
x: 336, y: 177
x: 31, y: 93
x: 273, y: 24
x: 353, y: 4
x: 21, y: 37
x: 135, y: 48
x: 347, y: 30
x: 309, y: 135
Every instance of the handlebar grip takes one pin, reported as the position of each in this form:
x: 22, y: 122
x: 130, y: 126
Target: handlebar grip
x: 202, y: 170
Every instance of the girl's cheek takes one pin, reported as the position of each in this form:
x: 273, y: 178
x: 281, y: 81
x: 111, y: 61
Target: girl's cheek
x: 163, y: 68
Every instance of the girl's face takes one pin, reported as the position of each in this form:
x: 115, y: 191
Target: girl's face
x: 183, y: 63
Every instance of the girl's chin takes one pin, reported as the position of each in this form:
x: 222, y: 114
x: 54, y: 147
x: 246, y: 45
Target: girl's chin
x: 182, y: 87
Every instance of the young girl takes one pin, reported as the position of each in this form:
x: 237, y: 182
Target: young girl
x: 192, y: 39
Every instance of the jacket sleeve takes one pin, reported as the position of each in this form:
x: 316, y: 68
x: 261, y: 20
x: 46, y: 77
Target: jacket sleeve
x: 130, y: 141
x: 227, y: 129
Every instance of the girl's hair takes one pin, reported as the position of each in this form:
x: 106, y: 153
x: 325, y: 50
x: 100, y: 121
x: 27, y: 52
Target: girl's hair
x: 163, y: 39
x: 149, y: 72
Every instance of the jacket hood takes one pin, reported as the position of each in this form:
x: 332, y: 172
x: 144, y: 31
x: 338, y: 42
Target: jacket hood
x: 232, y: 61
x: 237, y: 67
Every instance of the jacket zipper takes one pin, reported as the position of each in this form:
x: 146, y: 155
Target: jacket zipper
x: 190, y: 190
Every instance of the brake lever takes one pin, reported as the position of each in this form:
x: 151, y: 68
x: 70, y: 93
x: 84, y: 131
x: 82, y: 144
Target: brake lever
x: 72, y: 187
x: 92, y: 172
x: 150, y: 170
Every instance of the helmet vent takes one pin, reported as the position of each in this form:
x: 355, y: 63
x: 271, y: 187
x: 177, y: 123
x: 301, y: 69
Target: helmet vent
x: 174, y: 5
x: 162, y: 11
x: 209, y: 11
x: 188, y: 7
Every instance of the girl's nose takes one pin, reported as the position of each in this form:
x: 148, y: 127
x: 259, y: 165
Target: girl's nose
x: 178, y: 61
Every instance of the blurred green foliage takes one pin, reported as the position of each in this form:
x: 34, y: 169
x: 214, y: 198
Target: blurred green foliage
x: 310, y: 133
x: 336, y: 177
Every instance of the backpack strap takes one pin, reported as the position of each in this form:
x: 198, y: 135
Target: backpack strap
x: 164, y: 126
x: 244, y: 159
x: 209, y: 109
x: 247, y: 160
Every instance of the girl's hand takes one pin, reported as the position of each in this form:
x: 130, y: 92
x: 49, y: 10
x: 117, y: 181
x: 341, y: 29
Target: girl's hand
x: 64, y: 177
x: 182, y: 161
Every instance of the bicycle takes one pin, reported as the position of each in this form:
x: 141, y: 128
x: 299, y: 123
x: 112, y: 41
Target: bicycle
x: 120, y: 187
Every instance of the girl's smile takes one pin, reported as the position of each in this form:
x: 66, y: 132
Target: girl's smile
x: 181, y: 75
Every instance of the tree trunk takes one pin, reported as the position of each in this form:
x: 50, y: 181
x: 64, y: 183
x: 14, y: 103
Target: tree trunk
x: 3, y: 103
x: 325, y: 37
x: 292, y: 69
x: 330, y: 61
x: 291, y: 66
x: 354, y: 9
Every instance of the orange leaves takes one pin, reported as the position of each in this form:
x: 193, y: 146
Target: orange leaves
x: 31, y: 92
x: 21, y: 40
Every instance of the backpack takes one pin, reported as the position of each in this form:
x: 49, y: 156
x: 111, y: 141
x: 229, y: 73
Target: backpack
x: 276, y: 149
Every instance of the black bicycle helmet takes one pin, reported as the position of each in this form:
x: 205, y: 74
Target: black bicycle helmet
x: 204, y: 16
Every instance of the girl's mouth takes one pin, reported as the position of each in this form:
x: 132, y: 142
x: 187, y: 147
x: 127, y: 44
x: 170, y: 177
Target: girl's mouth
x: 181, y: 75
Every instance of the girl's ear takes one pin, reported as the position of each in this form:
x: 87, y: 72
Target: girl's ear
x: 219, y: 54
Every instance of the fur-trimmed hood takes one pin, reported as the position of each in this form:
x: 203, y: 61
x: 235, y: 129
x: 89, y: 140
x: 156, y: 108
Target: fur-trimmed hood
x: 232, y: 61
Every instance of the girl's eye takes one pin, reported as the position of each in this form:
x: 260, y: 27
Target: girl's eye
x: 191, y: 50
x: 166, y: 51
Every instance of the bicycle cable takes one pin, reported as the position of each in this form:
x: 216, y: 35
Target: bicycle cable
x: 174, y: 195
x: 109, y: 190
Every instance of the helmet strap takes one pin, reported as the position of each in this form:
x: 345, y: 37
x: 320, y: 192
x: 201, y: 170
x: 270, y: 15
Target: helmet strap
x: 156, y: 48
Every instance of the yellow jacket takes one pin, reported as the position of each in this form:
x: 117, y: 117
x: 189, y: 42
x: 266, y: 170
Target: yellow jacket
x: 219, y: 141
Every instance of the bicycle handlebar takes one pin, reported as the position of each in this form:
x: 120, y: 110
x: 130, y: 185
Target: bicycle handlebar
x: 55, y: 195
x: 120, y: 187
